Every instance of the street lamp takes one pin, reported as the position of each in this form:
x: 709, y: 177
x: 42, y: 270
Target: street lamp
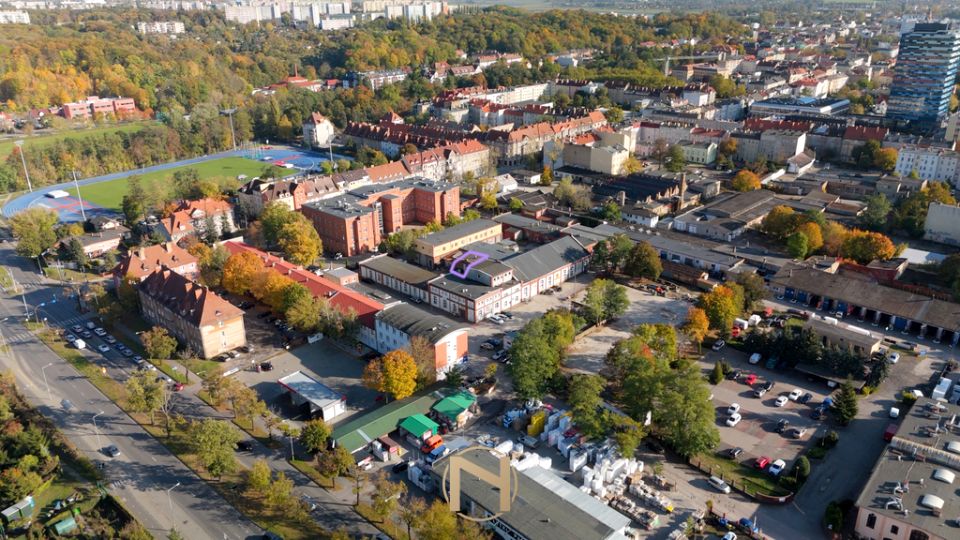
x: 97, y: 431
x: 233, y: 134
x: 23, y: 160
x: 170, y: 503
x: 43, y: 371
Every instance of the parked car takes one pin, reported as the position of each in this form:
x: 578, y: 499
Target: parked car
x: 103, y: 348
x: 86, y: 334
x: 76, y: 328
x: 263, y: 315
x: 797, y: 432
x: 804, y: 399
x: 893, y: 358
x: 717, y: 345
x: 755, y: 358
x: 735, y: 375
x: 247, y: 349
x: 734, y: 408
x: 70, y: 338
x: 109, y: 339
x: 759, y: 392
x: 762, y: 462
x: 100, y: 332
x: 734, y: 453
x: 818, y: 414
x: 245, y: 446
x: 507, y: 314
x: 400, y: 467
x: 499, y: 355
x: 750, y: 379
x: 127, y: 352
x: 719, y: 484
x: 795, y: 394
x: 777, y: 467
x: 781, y: 401
x: 734, y: 419
x: 266, y: 366
x: 782, y: 425
x: 497, y: 319
x: 112, y: 451
x: 486, y: 346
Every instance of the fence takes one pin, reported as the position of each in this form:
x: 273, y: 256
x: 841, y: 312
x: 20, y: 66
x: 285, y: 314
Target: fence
x: 747, y: 486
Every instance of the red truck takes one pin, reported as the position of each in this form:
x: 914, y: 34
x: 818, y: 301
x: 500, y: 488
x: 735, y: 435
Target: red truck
x: 890, y: 432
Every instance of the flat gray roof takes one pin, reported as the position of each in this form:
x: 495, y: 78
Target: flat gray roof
x: 457, y: 231
x: 539, y: 510
x: 546, y: 258
x: 310, y: 389
x: 459, y: 287
x: 414, y: 321
x: 398, y: 269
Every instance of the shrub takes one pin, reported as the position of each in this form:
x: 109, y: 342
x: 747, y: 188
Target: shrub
x: 831, y: 439
x: 817, y: 452
x: 867, y: 390
x: 907, y: 398
x: 833, y: 517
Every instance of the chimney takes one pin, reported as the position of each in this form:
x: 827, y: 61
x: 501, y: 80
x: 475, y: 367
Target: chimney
x: 168, y: 247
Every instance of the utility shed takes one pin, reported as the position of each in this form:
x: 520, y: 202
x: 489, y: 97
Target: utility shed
x: 307, y: 391
x: 419, y: 426
x: 454, y: 410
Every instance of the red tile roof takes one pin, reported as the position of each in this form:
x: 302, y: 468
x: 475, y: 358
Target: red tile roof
x: 197, y: 304
x: 340, y: 297
x: 865, y: 133
x: 144, y: 260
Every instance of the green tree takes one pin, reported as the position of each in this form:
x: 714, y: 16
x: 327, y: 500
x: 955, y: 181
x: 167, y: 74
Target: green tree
x: 627, y: 433
x: 279, y: 493
x: 746, y: 180
x: 845, y: 405
x: 314, y: 436
x: 437, y: 522
x: 878, y: 210
x: 303, y: 313
x: 144, y: 393
x: 619, y: 246
x: 685, y: 412
x: 16, y: 483
x: 610, y: 211
x: 644, y: 261
x: 615, y: 300
x: 754, y: 290
x: 585, y: 401
x: 335, y: 463
x: 214, y: 442
x: 780, y: 222
x: 133, y: 203
x: 386, y: 495
x: 716, y: 375
x: 273, y: 219
x: 34, y: 230
x: 721, y: 308
x: 258, y: 477
x: 516, y: 204
x: 801, y: 468
x: 797, y: 245
x: 600, y: 258
x: 300, y: 242
x: 158, y: 343
x: 677, y: 162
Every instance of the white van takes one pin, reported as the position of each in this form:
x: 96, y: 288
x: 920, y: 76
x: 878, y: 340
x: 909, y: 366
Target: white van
x: 719, y: 484
x: 79, y: 343
x: 755, y: 358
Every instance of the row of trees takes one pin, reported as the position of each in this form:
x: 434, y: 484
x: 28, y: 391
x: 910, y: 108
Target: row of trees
x: 721, y: 306
x: 244, y: 273
x: 620, y: 254
x: 807, y: 233
x: 25, y: 456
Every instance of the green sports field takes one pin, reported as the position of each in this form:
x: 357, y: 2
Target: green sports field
x: 224, y: 171
x: 40, y: 140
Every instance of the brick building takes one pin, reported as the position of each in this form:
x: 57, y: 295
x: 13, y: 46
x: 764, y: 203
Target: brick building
x: 357, y: 221
x: 143, y: 261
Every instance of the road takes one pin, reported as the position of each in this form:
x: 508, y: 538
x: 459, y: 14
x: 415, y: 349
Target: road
x: 334, y: 510
x: 145, y: 470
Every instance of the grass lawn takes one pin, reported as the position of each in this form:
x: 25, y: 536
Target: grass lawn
x: 309, y: 468
x: 46, y: 139
x: 69, y: 274
x: 388, y: 526
x: 224, y: 171
x: 740, y: 475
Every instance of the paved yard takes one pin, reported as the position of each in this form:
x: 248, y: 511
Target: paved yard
x: 587, y: 354
x: 323, y: 361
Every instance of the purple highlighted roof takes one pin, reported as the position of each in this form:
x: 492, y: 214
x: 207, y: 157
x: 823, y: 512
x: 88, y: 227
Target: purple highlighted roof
x: 477, y: 258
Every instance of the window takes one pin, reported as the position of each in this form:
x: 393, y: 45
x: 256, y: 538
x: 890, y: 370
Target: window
x: 894, y: 529
x: 871, y: 521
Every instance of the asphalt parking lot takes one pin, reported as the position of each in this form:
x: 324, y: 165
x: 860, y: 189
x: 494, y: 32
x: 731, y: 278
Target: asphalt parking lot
x: 757, y: 433
x: 325, y: 362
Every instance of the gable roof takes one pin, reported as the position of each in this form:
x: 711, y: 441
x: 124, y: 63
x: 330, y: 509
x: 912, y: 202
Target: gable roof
x: 414, y: 321
x: 193, y: 302
x: 546, y: 258
x: 144, y: 260
x: 356, y: 434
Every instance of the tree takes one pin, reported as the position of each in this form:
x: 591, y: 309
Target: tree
x: 797, y: 245
x: 272, y: 220
x: 144, y: 393
x: 300, y: 242
x: 594, y: 302
x: 677, y: 161
x: 615, y: 300
x: 258, y: 477
x: 685, y: 413
x: 410, y: 513
x: 885, y: 159
x: 632, y: 165
x: 314, y: 436
x: 335, y: 463
x: 214, y: 442
x: 488, y: 201
x: 600, y: 258
x: 727, y: 147
x: 845, y: 404
x: 661, y: 149
x: 834, y: 235
x: 15, y: 483
x: 516, y: 204
x: 422, y: 352
x: 386, y: 494
x: 239, y: 272
x: 158, y: 343
x: 911, y: 213
x: 279, y: 493
x: 610, y: 211
x: 303, y: 312
x: 876, y: 213
x: 780, y: 222
x: 34, y: 230
x: 546, y: 176
x: 716, y: 375
x: 174, y: 534
x: 754, y: 290
x: 619, y: 247
x: 697, y: 325
x: 394, y: 373
x: 585, y: 401
x: 801, y: 468
x: 371, y: 157
x: 746, y: 180
x: 133, y: 203
x: 865, y: 246
x: 574, y: 196
x: 813, y: 234
x: 535, y: 360
x: 721, y: 308
x: 437, y: 522
x: 644, y: 261
x: 627, y: 434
